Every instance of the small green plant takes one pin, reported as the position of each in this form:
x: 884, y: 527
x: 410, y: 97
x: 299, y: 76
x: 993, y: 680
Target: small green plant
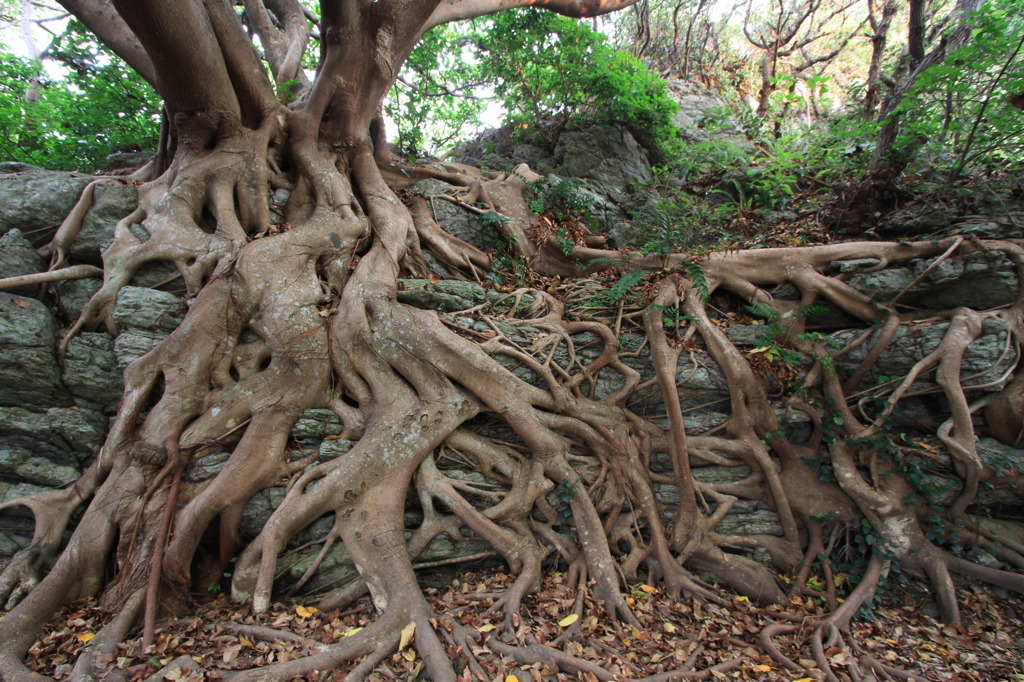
x: 824, y: 517
x: 618, y: 290
x: 771, y: 343
x: 567, y: 195
x: 672, y: 220
x: 564, y: 241
x: 285, y: 92
x: 564, y: 492
x: 699, y: 279
x: 507, y: 258
x: 493, y: 220
x: 670, y: 316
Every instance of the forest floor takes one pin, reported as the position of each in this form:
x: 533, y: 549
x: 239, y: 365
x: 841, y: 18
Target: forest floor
x: 722, y: 642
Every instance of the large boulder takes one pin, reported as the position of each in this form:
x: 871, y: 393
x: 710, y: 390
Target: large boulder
x: 37, y: 201
x: 980, y: 280
x: 703, y: 116
x: 17, y: 257
x: 145, y: 317
x: 112, y: 200
x: 28, y: 361
x: 609, y: 158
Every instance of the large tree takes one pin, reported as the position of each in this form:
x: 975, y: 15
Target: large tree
x: 305, y: 313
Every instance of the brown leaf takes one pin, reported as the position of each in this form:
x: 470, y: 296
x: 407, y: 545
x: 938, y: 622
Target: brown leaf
x: 408, y: 632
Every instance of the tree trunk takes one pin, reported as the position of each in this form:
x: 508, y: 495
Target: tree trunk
x: 879, y: 36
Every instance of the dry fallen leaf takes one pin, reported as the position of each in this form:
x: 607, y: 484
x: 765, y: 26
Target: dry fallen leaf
x: 84, y: 637
x: 305, y: 611
x: 569, y: 620
x: 648, y: 589
x: 408, y: 632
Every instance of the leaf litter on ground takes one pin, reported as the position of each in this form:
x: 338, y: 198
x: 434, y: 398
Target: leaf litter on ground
x: 674, y: 634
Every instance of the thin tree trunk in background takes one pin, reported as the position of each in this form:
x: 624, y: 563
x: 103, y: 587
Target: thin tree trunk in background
x: 879, y: 35
x: 689, y: 32
x: 916, y: 32
x: 34, y: 53
x: 890, y: 130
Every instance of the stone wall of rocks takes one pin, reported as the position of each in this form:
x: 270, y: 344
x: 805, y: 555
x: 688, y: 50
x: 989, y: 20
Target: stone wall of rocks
x: 54, y: 415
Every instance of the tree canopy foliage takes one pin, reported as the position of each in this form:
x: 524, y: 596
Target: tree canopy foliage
x: 545, y: 71
x: 95, y: 106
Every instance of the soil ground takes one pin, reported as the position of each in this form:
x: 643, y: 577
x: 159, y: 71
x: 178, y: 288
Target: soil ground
x: 715, y: 642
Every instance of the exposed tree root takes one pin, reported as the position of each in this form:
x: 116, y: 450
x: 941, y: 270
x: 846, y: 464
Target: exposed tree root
x: 306, y: 314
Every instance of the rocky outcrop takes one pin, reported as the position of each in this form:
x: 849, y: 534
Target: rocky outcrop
x: 18, y: 257
x: 28, y: 355
x: 36, y: 201
x: 53, y: 416
x: 609, y: 158
x: 112, y: 200
x: 704, y: 116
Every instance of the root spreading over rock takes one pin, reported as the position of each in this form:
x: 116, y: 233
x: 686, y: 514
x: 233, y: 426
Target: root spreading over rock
x: 309, y: 313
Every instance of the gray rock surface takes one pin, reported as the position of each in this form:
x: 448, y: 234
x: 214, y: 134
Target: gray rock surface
x: 148, y: 309
x: 145, y: 317
x: 37, y: 201
x: 112, y: 200
x: 28, y: 362
x: 73, y: 294
x: 984, y: 361
x: 18, y: 257
x: 47, y: 447
x: 918, y: 219
x: 609, y: 158
x: 132, y: 344
x: 317, y: 424
x: 703, y: 116
x: 978, y: 280
x: 454, y: 220
x: 18, y: 167
x: 127, y: 160
x: 446, y: 295
x: 92, y: 373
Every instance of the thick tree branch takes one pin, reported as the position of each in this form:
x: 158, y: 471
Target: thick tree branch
x: 190, y: 74
x: 468, y: 9
x: 100, y: 17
